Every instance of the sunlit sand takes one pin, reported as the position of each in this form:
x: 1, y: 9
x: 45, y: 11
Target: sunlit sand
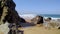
x: 39, y: 30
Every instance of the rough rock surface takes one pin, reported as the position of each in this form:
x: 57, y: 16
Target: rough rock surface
x: 37, y: 20
x: 12, y: 15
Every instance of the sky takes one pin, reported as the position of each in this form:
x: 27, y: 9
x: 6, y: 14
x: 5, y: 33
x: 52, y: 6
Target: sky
x: 38, y: 6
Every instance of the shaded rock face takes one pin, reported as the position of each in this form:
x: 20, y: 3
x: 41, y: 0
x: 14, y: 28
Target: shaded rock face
x: 9, y: 14
x: 37, y: 20
x: 59, y: 28
x: 22, y: 20
x: 1, y: 10
x: 48, y: 19
x: 12, y: 15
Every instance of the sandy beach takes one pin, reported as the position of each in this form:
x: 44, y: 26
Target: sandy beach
x: 29, y: 28
x: 39, y: 30
x: 29, y: 16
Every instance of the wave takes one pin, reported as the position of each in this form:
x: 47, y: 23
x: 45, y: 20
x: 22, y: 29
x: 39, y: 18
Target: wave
x: 52, y: 18
x: 30, y: 16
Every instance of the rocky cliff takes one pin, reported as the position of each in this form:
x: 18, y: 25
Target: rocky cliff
x: 8, y: 12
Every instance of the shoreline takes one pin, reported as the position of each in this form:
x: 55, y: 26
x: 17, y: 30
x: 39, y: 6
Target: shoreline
x: 53, y: 17
x: 34, y: 15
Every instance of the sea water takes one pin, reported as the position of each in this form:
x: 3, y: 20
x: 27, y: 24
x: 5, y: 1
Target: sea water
x: 51, y: 15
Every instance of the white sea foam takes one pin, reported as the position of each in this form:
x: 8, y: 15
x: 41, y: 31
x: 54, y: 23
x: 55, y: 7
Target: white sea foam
x: 30, y: 16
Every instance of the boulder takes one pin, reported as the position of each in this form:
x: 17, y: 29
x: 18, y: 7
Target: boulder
x: 37, y: 20
x: 59, y: 28
x: 12, y: 15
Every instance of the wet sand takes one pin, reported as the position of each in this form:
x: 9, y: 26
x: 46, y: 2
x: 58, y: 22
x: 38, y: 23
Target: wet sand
x: 39, y: 30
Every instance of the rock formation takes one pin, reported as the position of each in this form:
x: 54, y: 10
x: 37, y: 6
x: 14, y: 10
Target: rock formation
x: 12, y: 15
x: 37, y: 20
x: 59, y: 28
x: 8, y: 13
x: 48, y: 19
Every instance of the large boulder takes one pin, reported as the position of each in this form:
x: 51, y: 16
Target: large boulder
x: 37, y: 20
x: 12, y: 15
x: 9, y: 14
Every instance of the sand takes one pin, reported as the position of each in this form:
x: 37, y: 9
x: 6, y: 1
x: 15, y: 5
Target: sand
x: 39, y: 30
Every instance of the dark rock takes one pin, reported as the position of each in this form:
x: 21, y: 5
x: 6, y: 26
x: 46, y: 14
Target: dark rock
x: 1, y: 10
x: 48, y: 19
x: 22, y: 20
x: 59, y: 28
x: 19, y: 32
x: 12, y: 15
x: 38, y: 20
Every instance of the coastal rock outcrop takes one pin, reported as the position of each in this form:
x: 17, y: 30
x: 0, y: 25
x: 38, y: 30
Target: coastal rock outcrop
x: 11, y: 14
x: 37, y: 20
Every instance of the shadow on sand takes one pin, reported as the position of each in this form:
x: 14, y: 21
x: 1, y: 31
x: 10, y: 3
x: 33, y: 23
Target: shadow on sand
x: 27, y: 24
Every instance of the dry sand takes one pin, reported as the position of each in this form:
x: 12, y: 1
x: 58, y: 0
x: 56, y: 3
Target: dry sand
x: 39, y: 30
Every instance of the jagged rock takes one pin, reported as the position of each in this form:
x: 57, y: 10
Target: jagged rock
x: 12, y: 15
x: 48, y: 19
x: 37, y: 20
x: 9, y: 14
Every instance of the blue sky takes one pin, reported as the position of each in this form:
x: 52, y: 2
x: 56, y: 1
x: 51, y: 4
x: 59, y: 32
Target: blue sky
x: 38, y: 6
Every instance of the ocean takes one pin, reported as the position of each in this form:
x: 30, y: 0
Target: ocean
x: 53, y: 16
x: 50, y: 15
